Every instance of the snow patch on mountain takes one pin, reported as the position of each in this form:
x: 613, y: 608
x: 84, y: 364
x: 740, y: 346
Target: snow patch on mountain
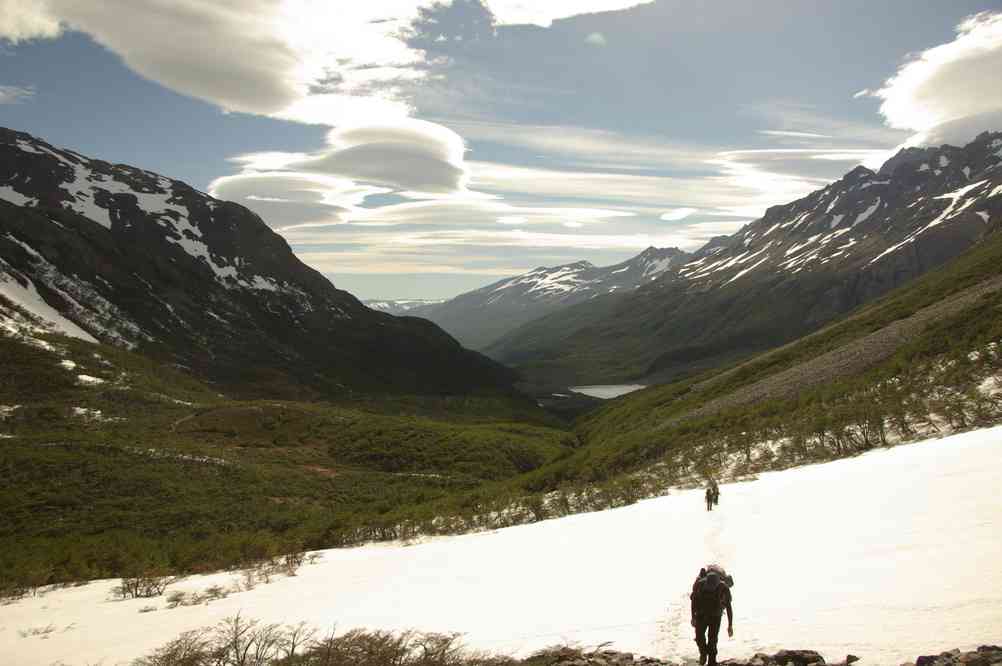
x: 9, y: 194
x: 865, y: 215
x: 84, y: 302
x: 949, y: 212
x: 23, y: 293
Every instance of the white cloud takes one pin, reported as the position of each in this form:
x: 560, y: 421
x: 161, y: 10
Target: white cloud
x: 22, y: 20
x: 795, y: 135
x: 677, y: 214
x: 311, y: 61
x: 15, y: 94
x: 373, y: 262
x: 544, y: 13
x: 411, y: 155
x: 789, y: 117
x: 478, y: 212
x: 596, y: 39
x: 582, y: 145
x: 944, y: 85
x: 490, y: 238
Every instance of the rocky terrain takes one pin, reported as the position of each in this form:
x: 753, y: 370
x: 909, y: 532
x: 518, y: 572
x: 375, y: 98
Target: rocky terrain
x: 983, y: 656
x: 783, y: 276
x: 113, y: 253
x: 478, y: 318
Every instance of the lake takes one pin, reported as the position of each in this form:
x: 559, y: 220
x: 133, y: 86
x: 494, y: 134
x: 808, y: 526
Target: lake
x: 607, y: 391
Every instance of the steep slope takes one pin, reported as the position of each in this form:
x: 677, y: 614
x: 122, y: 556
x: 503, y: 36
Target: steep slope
x: 478, y: 318
x: 118, y: 254
x: 798, y: 267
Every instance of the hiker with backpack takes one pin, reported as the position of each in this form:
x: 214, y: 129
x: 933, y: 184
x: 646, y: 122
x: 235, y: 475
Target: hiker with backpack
x: 711, y: 596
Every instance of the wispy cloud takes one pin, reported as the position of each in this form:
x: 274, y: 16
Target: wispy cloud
x: 795, y: 135
x: 792, y: 118
x: 15, y: 94
x: 677, y: 214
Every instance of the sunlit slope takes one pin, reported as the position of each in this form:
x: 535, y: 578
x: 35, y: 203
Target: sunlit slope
x: 886, y: 555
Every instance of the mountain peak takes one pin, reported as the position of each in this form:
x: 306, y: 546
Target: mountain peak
x: 859, y: 173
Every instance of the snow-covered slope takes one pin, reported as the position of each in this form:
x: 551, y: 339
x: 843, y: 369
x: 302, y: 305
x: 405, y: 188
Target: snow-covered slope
x: 797, y: 268
x: 401, y: 307
x: 887, y: 555
x: 125, y: 256
x: 478, y: 318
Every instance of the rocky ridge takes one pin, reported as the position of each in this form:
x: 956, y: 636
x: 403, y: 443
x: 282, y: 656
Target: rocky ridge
x: 798, y: 267
x: 478, y: 318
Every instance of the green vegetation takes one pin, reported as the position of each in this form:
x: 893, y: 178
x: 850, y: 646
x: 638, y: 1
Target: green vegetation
x: 152, y: 472
x: 667, y: 420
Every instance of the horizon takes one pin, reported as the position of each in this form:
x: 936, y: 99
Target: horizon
x: 420, y: 150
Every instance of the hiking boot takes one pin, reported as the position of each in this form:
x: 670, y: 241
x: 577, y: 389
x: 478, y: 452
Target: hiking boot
x: 702, y: 657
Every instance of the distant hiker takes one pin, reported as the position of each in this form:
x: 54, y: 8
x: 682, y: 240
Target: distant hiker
x: 709, y: 498
x: 710, y: 597
x: 716, y: 492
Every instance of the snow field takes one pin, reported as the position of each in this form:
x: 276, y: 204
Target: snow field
x: 887, y: 555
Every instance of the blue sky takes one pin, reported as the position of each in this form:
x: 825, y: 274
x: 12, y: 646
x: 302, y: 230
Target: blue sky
x: 418, y: 149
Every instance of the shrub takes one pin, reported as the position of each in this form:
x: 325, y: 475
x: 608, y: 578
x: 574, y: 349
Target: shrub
x: 144, y: 586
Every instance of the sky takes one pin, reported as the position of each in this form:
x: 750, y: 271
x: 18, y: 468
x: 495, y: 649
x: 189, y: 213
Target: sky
x: 420, y: 149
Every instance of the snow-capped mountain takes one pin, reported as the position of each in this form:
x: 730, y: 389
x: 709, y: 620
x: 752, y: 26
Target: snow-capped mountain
x: 401, y: 307
x: 478, y: 318
x: 117, y: 254
x: 801, y: 265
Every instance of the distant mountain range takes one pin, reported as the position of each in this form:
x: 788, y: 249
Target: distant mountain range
x: 800, y: 266
x: 402, y: 307
x: 114, y: 253
x: 479, y: 318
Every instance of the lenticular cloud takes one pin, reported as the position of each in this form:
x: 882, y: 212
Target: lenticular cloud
x: 945, y: 84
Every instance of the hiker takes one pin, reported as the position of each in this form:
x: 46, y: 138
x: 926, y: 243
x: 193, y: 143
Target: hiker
x: 710, y: 597
x: 727, y: 579
x: 716, y: 492
x: 709, y: 498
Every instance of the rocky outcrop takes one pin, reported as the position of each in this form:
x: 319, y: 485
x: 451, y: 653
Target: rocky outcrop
x: 983, y: 656
x: 986, y: 655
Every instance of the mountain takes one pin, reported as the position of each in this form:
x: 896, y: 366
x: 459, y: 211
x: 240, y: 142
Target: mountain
x: 401, y: 307
x: 478, y: 318
x: 800, y: 266
x: 117, y: 254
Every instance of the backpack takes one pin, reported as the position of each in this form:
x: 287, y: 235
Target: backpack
x: 726, y: 578
x: 708, y: 596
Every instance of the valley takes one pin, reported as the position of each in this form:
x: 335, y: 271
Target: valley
x: 185, y: 404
